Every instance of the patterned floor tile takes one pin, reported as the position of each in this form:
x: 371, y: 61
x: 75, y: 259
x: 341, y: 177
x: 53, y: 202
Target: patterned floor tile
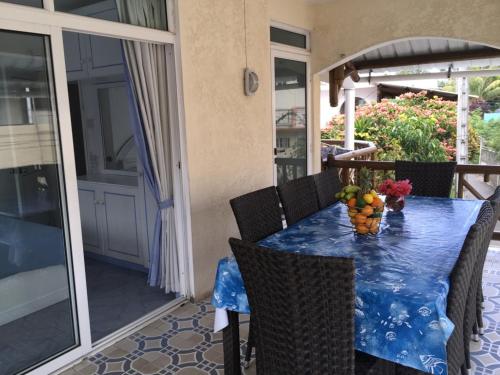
x: 183, y: 341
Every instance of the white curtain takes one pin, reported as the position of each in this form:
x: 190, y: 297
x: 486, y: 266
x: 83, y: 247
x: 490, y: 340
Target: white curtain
x: 147, y: 66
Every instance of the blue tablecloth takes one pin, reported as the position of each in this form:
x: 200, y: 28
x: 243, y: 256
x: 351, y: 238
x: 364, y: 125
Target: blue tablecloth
x: 402, y: 275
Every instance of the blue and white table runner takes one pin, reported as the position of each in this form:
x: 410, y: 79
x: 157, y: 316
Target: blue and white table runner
x: 402, y: 275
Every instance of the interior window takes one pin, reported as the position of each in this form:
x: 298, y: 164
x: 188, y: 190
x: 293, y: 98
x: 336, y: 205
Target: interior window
x: 147, y: 13
x: 30, y: 3
x: 289, y: 38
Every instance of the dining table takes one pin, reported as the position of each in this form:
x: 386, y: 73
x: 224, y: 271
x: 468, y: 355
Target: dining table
x: 402, y: 278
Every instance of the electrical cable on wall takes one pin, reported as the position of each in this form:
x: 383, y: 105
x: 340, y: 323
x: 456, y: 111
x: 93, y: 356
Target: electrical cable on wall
x: 250, y: 78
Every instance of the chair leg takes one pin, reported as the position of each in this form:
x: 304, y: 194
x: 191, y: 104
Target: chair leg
x: 231, y: 345
x: 464, y: 370
x: 250, y: 345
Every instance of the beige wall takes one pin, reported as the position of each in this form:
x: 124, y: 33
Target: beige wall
x: 292, y: 12
x: 229, y: 136
x: 345, y: 27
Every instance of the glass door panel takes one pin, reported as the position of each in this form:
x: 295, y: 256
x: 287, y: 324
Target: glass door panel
x: 37, y: 299
x: 290, y: 102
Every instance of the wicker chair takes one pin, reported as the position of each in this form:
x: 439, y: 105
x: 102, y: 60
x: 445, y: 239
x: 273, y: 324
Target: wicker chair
x: 258, y: 215
x: 428, y: 179
x: 303, y: 308
x: 460, y: 280
x: 486, y: 221
x: 495, y: 202
x: 327, y: 185
x: 298, y: 198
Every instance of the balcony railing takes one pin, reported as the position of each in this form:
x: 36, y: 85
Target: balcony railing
x: 349, y: 172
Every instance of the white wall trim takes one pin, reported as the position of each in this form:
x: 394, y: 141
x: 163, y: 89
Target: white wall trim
x: 181, y: 114
x: 76, y: 23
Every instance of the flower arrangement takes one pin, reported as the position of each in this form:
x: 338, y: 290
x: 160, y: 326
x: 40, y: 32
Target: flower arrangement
x: 395, y: 191
x: 395, y: 188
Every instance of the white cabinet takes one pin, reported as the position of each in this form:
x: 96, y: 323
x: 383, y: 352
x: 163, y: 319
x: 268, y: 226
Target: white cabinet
x: 113, y: 220
x: 74, y: 54
x: 93, y: 56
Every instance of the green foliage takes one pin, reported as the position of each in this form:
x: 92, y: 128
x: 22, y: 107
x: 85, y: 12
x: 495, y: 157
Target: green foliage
x: 410, y: 127
x: 489, y: 131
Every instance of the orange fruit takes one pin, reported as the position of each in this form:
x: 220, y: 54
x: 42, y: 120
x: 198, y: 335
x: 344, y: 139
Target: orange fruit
x: 377, y: 202
x: 351, y: 202
x: 362, y: 229
x: 369, y: 222
x: 352, y: 213
x: 360, y: 218
x: 353, y: 221
x: 367, y: 210
x: 374, y: 229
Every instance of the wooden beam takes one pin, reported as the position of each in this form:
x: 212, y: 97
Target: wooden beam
x: 476, y: 54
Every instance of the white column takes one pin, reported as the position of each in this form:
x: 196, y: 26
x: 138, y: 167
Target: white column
x: 462, y: 84
x: 350, y: 116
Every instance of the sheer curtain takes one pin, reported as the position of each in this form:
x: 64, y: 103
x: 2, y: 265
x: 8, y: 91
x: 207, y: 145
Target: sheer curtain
x: 147, y: 70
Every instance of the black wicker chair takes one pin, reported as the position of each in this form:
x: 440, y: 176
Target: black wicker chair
x: 298, y: 198
x: 327, y: 185
x: 303, y: 309
x: 460, y: 280
x: 429, y: 179
x: 258, y: 215
x: 486, y: 221
x: 495, y: 202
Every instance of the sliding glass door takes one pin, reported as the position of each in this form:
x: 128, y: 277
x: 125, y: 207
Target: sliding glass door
x: 38, y: 313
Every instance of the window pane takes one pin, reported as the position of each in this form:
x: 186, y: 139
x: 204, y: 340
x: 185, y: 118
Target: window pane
x: 288, y: 37
x: 291, y: 118
x: 37, y: 319
x: 30, y: 3
x: 146, y: 13
x: 119, y: 147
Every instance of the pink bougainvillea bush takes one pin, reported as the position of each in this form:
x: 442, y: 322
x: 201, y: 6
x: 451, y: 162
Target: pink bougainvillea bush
x: 409, y: 127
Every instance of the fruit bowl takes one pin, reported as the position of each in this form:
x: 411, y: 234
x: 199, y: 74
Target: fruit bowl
x: 364, y: 209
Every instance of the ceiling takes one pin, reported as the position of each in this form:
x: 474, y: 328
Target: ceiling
x: 439, y: 51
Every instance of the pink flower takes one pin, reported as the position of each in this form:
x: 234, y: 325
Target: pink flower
x: 395, y: 188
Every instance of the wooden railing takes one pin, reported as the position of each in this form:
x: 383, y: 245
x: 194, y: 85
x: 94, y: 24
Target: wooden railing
x: 349, y: 170
x: 363, y: 150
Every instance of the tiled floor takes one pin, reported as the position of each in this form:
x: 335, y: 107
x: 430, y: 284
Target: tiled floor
x: 118, y: 296
x: 183, y: 342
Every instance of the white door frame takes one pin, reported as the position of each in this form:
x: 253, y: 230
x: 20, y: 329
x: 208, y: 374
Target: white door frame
x: 69, y: 200
x: 49, y: 22
x: 295, y: 54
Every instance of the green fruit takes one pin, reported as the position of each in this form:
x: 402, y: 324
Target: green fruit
x: 360, y: 203
x: 342, y: 195
x: 337, y: 195
x: 349, y: 196
x: 379, y: 214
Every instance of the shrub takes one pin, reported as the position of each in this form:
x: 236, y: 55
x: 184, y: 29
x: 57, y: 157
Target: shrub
x: 409, y: 127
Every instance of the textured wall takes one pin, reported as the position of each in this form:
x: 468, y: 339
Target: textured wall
x: 292, y: 12
x: 229, y: 135
x: 349, y: 26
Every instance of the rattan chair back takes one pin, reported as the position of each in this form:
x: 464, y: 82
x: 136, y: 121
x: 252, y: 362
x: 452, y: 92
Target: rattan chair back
x: 327, y: 185
x: 298, y: 198
x: 258, y: 214
x: 429, y: 179
x: 302, y: 308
